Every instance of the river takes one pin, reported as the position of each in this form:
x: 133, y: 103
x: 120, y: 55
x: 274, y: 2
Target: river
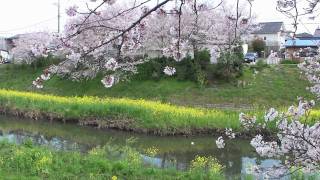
x: 238, y: 156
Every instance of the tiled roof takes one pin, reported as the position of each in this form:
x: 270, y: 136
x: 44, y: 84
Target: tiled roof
x: 269, y: 28
x: 304, y: 35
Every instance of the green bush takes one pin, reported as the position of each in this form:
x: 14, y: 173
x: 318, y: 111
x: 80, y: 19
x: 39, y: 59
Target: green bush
x: 229, y: 66
x: 152, y: 69
x: 186, y: 69
x: 190, y: 69
x: 197, y: 69
x: 290, y: 61
x: 203, y: 57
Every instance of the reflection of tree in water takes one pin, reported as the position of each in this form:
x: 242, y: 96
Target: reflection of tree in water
x: 57, y: 143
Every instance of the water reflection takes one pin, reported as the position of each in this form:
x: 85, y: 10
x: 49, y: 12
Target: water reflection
x: 56, y: 143
x: 175, y: 152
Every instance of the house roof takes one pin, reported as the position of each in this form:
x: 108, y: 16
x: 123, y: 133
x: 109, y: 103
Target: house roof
x: 268, y: 28
x: 302, y: 43
x: 304, y: 35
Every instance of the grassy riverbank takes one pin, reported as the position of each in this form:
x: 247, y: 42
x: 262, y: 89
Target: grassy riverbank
x: 137, y: 115
x: 31, y: 162
x: 271, y: 87
x: 121, y: 113
x: 151, y: 106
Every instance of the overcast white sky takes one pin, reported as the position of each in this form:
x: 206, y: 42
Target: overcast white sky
x: 20, y: 16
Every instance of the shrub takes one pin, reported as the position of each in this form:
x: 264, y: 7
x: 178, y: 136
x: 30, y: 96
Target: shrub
x: 230, y: 65
x: 187, y: 69
x: 197, y: 69
x: 290, y: 61
x: 151, y: 69
x: 203, y: 57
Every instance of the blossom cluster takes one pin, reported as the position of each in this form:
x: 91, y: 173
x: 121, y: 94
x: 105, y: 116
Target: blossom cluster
x: 220, y: 142
x: 38, y: 83
x: 311, y: 68
x: 271, y: 115
x: 229, y: 133
x: 247, y: 121
x: 170, y: 71
x: 111, y: 64
x: 72, y: 11
x: 108, y: 81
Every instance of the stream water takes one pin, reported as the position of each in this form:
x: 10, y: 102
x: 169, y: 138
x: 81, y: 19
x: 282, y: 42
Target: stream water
x: 177, y: 152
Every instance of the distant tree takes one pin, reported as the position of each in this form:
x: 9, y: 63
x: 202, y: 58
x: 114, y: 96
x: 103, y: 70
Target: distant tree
x: 258, y: 45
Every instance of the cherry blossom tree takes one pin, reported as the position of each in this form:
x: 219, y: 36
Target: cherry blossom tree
x: 118, y: 33
x: 200, y: 25
x: 112, y: 31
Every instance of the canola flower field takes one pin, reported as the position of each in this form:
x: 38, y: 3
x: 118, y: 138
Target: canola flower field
x: 137, y: 114
x: 123, y: 113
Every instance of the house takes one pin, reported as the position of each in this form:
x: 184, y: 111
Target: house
x: 273, y: 33
x: 4, y: 50
x: 303, y: 45
x: 297, y: 48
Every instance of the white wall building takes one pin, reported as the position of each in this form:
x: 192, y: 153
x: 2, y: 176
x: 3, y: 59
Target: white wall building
x: 5, y: 47
x: 273, y: 33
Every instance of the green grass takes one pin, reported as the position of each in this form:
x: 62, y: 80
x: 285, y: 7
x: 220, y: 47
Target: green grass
x: 31, y: 162
x: 277, y: 86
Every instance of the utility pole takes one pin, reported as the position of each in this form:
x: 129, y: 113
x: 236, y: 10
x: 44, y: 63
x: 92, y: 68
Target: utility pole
x: 59, y: 16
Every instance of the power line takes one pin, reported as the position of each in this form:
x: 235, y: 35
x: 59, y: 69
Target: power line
x: 59, y: 16
x: 303, y: 23
x: 28, y: 26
